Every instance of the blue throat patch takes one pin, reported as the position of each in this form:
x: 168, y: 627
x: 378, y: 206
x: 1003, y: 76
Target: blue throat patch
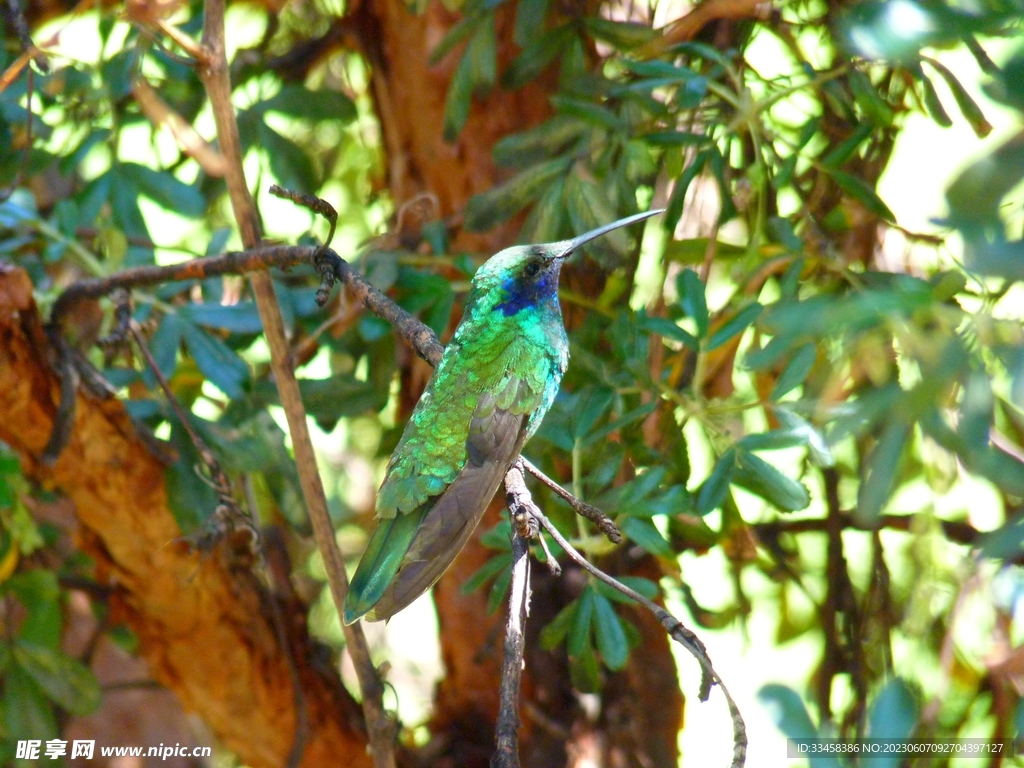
x: 525, y: 294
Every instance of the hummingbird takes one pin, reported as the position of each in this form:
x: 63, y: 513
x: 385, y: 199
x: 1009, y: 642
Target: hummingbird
x: 497, y: 378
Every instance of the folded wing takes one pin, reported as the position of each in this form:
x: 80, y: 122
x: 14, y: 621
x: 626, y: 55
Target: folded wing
x: 446, y: 522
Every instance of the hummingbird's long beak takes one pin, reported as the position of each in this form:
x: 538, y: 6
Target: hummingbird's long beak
x: 576, y: 242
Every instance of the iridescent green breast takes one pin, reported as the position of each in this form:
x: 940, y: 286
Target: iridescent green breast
x: 511, y: 358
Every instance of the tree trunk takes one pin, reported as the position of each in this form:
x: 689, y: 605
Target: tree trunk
x: 203, y: 627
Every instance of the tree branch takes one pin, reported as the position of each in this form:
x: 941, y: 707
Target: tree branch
x: 215, y: 76
x: 506, y: 754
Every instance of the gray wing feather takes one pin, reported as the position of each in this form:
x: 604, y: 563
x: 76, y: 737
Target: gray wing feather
x: 495, y: 439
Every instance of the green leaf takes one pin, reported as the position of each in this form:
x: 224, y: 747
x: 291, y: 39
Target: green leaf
x: 674, y: 210
x: 27, y: 713
x: 619, y: 34
x: 788, y: 712
x: 589, y: 208
x: 65, y: 680
x: 611, y: 639
x: 968, y: 107
x: 819, y: 449
x: 845, y: 149
x: 520, y: 150
x: 795, y: 372
x: 667, y: 329
x: 976, y: 411
x: 714, y: 489
x: 638, y: 413
x: 316, y: 106
x: 499, y: 537
x: 893, y: 715
x: 485, y: 573
x: 537, y: 55
x: 693, y: 250
x: 556, y: 631
x: 530, y: 17
x: 499, y: 589
x: 237, y: 318
x: 579, y: 635
x: 124, y: 203
x: 675, y: 139
x: 288, y: 161
x: 880, y: 471
x: 39, y: 593
x: 975, y: 197
x: 592, y: 403
x: 548, y: 219
x: 327, y: 400
x: 734, y: 326
x: 70, y: 162
x: 716, y: 164
x: 584, y: 671
x: 872, y: 105
x: 488, y: 209
x: 164, y: 347
x: 762, y: 479
x: 783, y: 175
x: 1006, y: 542
x: 165, y: 189
x: 692, y: 299
x: 218, y: 363
x: 931, y: 100
x: 453, y: 37
x: 589, y: 112
x: 189, y: 496
x: 643, y: 532
x: 860, y: 191
x: 482, y: 53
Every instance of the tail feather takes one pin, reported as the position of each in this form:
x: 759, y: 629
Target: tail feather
x: 380, y: 562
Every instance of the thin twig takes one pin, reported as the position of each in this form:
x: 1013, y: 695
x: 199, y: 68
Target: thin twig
x: 313, y: 203
x: 227, y: 517
x: 21, y: 29
x: 506, y: 754
x: 580, y: 507
x: 215, y: 75
x: 64, y: 418
x: 676, y: 630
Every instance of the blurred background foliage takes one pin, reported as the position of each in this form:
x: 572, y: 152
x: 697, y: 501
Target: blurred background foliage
x: 809, y: 417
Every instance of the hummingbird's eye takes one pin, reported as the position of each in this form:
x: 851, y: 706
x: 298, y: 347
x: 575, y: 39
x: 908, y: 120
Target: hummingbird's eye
x: 531, y: 269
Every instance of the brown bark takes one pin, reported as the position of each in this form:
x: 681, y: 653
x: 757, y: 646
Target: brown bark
x: 203, y: 627
x: 410, y: 98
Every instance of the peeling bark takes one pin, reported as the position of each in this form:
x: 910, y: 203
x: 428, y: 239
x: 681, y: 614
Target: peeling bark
x: 202, y: 626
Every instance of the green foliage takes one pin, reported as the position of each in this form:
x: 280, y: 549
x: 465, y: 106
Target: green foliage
x: 756, y: 368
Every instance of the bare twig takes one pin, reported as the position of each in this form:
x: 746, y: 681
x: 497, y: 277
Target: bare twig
x: 227, y: 517
x: 580, y: 507
x: 17, y: 20
x: 676, y: 631
x: 215, y: 75
x: 313, y: 203
x: 64, y: 418
x: 524, y: 526
x: 188, y: 139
